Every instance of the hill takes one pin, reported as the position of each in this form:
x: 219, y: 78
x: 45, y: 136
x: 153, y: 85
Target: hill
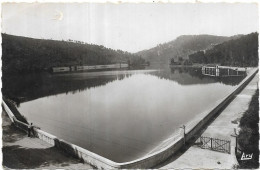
x: 182, y: 47
x: 22, y: 54
x: 242, y: 51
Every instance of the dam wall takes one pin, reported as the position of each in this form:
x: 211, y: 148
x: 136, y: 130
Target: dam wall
x: 219, y: 106
x: 147, y: 161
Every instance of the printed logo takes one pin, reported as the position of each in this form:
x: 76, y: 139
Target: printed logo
x: 246, y: 156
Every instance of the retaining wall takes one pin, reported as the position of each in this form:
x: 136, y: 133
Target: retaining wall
x: 144, y: 162
x: 8, y: 111
x: 219, y: 106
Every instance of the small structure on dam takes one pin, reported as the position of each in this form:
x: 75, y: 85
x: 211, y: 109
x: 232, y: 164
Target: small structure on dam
x: 223, y: 71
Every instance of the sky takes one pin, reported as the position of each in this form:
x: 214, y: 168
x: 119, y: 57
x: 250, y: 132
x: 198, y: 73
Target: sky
x: 128, y: 27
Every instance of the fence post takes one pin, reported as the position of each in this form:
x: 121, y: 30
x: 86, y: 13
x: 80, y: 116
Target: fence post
x: 211, y: 143
x: 184, y: 136
x: 235, y: 135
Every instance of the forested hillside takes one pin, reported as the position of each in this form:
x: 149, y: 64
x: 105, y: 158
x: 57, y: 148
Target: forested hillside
x: 22, y: 54
x: 181, y: 47
x: 237, y: 52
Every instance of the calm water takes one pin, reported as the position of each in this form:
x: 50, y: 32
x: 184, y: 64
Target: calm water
x: 121, y: 115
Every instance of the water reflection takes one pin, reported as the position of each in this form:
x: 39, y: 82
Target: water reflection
x: 120, y: 116
x: 26, y: 87
x: 191, y: 75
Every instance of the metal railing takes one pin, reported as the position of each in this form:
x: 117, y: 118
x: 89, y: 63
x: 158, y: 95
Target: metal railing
x: 215, y: 144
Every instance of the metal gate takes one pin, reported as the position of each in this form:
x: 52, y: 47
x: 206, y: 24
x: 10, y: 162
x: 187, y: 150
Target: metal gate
x: 214, y: 144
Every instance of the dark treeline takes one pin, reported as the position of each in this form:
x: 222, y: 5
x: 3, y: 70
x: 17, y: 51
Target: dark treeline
x: 182, y: 46
x: 22, y: 54
x: 236, y: 52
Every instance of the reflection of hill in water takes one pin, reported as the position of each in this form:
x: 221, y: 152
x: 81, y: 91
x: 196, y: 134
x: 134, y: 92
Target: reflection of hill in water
x: 191, y: 76
x: 21, y: 88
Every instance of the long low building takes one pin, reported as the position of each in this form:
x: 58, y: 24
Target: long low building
x: 60, y: 69
x: 86, y: 68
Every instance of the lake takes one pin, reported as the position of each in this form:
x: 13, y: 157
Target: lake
x: 120, y: 115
